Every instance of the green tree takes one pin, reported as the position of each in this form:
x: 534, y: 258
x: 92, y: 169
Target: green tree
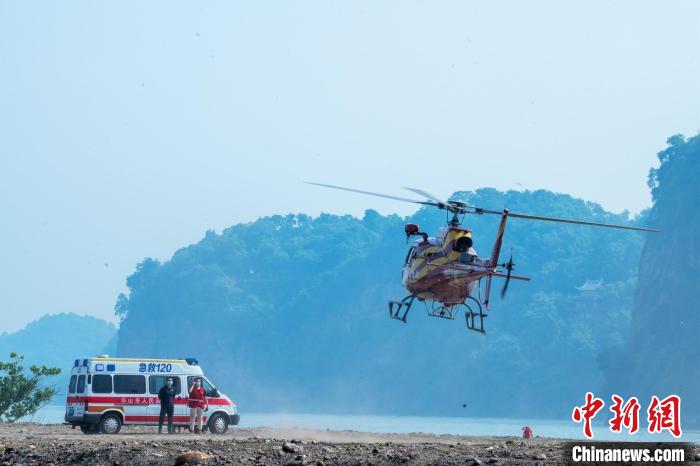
x: 20, y: 392
x: 121, y: 307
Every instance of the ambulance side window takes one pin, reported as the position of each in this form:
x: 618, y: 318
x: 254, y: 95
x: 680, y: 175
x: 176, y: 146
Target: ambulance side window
x: 81, y: 384
x: 129, y: 384
x: 102, y: 383
x: 73, y: 382
x: 156, y: 382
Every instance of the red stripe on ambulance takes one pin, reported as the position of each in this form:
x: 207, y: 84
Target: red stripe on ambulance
x: 138, y: 400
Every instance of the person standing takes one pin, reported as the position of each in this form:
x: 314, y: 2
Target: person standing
x: 166, y: 394
x: 197, y: 402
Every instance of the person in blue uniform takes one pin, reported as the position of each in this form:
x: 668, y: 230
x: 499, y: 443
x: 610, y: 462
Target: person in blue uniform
x: 166, y: 394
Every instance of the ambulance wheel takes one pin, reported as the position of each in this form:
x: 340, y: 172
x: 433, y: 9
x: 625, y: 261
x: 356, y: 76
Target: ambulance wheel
x: 218, y: 424
x: 110, y: 424
x: 89, y: 429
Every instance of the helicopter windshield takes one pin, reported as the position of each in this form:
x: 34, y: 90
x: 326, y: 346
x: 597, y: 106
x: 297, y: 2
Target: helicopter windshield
x: 409, y: 254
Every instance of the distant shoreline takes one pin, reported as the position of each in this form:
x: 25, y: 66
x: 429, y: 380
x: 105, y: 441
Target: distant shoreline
x: 400, y: 425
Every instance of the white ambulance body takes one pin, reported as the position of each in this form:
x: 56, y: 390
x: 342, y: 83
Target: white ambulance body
x: 106, y: 393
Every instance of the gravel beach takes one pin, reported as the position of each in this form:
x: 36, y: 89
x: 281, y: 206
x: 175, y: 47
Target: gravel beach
x: 32, y: 444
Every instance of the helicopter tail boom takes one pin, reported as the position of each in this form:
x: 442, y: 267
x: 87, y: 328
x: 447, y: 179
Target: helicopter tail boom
x: 513, y: 277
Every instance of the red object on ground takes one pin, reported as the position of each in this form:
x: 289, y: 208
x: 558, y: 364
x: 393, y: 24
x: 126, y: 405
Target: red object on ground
x: 527, y: 432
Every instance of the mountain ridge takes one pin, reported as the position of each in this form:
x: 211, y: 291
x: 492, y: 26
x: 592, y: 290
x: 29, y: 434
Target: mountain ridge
x: 289, y: 312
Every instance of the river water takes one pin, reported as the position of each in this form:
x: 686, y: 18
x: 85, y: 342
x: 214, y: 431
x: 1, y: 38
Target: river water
x: 53, y: 414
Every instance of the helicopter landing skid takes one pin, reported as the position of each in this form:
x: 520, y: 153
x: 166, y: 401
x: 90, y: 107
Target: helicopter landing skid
x: 475, y: 320
x: 395, y: 308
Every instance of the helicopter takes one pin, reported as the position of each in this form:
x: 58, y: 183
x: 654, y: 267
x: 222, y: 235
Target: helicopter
x: 445, y: 272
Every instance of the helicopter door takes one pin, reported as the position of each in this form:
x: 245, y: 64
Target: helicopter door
x: 409, y: 255
x: 407, y: 264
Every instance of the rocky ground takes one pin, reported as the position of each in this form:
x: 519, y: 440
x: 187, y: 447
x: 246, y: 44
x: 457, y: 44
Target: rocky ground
x: 29, y: 444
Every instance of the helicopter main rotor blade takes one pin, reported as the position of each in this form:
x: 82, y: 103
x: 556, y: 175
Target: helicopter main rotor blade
x: 458, y: 207
x: 426, y: 194
x: 387, y: 196
x: 579, y: 222
x: 564, y: 220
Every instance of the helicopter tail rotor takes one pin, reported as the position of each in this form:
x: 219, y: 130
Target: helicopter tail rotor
x: 509, y: 266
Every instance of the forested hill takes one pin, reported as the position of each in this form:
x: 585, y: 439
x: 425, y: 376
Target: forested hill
x: 56, y: 340
x: 290, y: 313
x: 663, y: 355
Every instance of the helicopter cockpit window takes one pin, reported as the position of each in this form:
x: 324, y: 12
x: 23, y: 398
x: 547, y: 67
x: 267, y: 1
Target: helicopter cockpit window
x: 409, y: 254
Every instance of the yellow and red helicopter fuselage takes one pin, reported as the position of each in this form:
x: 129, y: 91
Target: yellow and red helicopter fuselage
x: 445, y: 268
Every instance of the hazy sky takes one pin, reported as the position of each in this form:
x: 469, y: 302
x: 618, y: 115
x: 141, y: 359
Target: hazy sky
x: 127, y: 130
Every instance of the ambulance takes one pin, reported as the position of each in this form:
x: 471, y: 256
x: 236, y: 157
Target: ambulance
x: 105, y: 393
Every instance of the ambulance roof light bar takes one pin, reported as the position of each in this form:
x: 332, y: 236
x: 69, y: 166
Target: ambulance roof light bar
x: 192, y: 361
